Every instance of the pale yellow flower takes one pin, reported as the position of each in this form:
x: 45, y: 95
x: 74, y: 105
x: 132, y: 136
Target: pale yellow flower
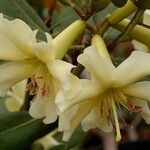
x: 97, y: 102
x: 16, y: 96
x: 138, y: 45
x: 38, y: 60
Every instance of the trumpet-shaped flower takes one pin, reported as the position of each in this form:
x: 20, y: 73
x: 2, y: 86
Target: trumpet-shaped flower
x: 39, y: 61
x: 99, y: 101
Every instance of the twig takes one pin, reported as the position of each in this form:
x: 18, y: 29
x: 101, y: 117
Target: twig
x: 85, y: 15
x: 144, y: 25
x: 90, y: 28
x: 74, y: 6
x: 76, y: 47
x: 104, y: 27
x: 77, y: 71
x: 129, y: 27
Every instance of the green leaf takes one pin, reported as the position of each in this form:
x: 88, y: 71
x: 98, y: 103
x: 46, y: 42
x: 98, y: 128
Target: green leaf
x: 18, y: 130
x: 61, y: 146
x: 62, y: 20
x: 99, y: 5
x: 119, y: 3
x: 64, y: 2
x: 21, y: 9
x: 145, y: 4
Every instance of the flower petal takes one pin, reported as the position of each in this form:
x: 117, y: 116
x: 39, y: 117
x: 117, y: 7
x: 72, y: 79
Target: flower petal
x: 145, y: 112
x: 76, y: 114
x: 18, y: 32
x: 8, y: 51
x: 67, y: 116
x: 44, y: 51
x: 50, y: 109
x: 135, y: 67
x: 139, y: 46
x: 38, y: 105
x: 93, y: 120
x: 61, y: 71
x: 37, y: 108
x: 80, y: 91
x: 100, y: 68
x: 16, y: 96
x: 146, y: 18
x: 139, y: 90
x: 44, y: 105
x: 12, y: 73
x: 19, y: 89
x: 50, y: 112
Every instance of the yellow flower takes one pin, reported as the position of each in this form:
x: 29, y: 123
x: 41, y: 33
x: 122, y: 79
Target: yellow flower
x: 16, y: 96
x: 38, y: 60
x: 97, y: 102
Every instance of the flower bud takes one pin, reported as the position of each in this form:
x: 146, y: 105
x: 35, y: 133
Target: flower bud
x: 121, y: 13
x: 98, y: 41
x: 66, y: 38
x: 139, y: 33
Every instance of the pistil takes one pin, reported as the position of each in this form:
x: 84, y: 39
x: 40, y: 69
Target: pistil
x: 118, y: 136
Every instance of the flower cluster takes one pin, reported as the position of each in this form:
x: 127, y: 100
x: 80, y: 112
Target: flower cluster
x: 95, y: 102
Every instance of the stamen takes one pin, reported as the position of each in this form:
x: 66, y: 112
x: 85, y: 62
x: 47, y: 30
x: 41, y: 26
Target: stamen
x: 32, y: 87
x: 111, y: 100
x: 134, y: 108
x: 118, y: 136
x: 40, y: 83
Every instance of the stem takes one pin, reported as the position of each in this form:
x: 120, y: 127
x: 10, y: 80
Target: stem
x: 76, y: 47
x: 77, y: 71
x: 104, y: 27
x: 138, y: 32
x: 84, y: 14
x: 51, y: 8
x: 90, y: 28
x: 144, y: 25
x: 129, y: 27
x: 118, y: 15
x: 75, y: 7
